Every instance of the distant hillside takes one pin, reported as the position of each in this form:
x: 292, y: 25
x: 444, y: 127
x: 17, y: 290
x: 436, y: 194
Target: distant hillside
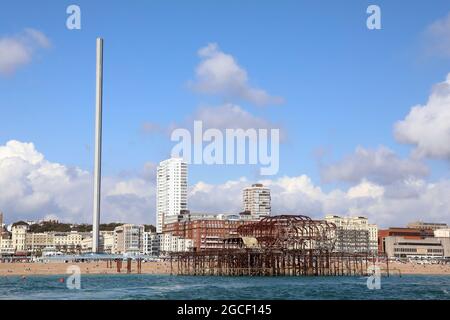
x: 49, y: 226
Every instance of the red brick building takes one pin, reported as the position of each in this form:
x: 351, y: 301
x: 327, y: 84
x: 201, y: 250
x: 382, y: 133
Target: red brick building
x: 206, y: 233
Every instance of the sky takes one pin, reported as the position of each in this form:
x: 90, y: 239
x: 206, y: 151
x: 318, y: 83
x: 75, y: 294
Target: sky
x: 364, y: 115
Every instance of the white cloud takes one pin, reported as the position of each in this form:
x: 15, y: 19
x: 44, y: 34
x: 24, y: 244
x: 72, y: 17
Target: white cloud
x: 290, y: 195
x: 149, y: 171
x: 33, y: 187
x: 203, y: 197
x: 365, y: 189
x: 219, y: 73
x: 381, y: 165
x: 17, y: 51
x: 428, y: 126
x: 131, y: 200
x: 437, y: 37
x: 36, y: 37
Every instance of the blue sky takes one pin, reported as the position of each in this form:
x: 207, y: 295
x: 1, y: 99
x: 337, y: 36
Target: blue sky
x: 343, y: 85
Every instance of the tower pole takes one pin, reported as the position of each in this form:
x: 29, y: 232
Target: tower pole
x: 98, y: 146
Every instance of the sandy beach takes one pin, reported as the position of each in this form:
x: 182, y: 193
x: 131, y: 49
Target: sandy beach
x: 163, y: 268
x: 60, y: 268
x: 412, y: 268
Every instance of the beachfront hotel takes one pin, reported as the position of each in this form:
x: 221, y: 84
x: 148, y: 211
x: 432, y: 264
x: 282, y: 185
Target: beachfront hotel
x: 171, y: 190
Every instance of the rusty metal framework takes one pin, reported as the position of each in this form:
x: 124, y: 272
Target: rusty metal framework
x: 291, y: 232
x: 283, y: 245
x: 251, y: 262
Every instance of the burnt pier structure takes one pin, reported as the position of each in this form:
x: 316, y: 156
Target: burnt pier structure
x: 284, y: 245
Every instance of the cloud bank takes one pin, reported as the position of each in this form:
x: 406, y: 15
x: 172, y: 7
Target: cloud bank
x: 33, y: 187
x: 381, y: 165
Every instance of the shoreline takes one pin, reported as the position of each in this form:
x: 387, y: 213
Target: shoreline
x: 163, y: 268
x: 96, y: 268
x: 418, y: 269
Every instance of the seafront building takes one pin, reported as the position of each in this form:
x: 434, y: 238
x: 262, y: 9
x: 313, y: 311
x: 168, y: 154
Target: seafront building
x: 86, y: 244
x: 37, y: 242
x: 406, y: 233
x: 128, y: 238
x: 419, y: 240
x: 401, y: 247
x: 194, y: 231
x: 256, y: 200
x: 442, y: 233
x: 69, y: 241
x: 171, y: 190
x: 426, y: 225
x: 6, y: 246
x: 171, y: 243
x: 107, y: 241
x: 152, y: 244
x: 19, y: 236
x: 207, y: 230
x: 354, y: 234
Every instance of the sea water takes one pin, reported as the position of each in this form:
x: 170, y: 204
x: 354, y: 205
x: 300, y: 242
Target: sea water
x: 207, y: 287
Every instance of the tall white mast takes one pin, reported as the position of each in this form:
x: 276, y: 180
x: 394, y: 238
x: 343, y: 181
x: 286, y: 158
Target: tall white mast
x: 98, y: 147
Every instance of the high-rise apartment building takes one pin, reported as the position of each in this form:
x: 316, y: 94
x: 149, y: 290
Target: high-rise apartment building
x: 256, y: 200
x: 171, y: 190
